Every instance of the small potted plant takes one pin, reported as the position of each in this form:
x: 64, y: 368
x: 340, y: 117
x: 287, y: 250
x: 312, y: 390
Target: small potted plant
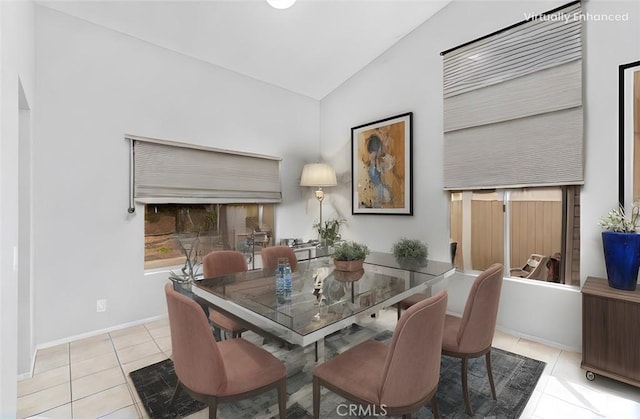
x: 348, y: 276
x: 349, y: 256
x: 409, y: 249
x: 410, y: 253
x: 621, y: 245
x: 330, y: 232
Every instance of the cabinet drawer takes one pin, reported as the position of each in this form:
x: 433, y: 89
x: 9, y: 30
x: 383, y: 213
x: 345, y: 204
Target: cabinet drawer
x: 611, y: 330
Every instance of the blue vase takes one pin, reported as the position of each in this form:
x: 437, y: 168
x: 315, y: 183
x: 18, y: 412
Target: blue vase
x: 622, y: 259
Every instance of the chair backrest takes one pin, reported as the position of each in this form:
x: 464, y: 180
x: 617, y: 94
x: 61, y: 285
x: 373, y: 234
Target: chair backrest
x: 478, y: 321
x: 223, y: 262
x: 271, y: 254
x: 412, y: 366
x: 196, y: 359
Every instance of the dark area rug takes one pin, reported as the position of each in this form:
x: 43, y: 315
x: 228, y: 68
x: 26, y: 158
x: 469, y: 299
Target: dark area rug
x: 155, y: 385
x: 515, y: 378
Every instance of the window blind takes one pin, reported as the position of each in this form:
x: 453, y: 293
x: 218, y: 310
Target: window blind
x: 513, y: 106
x: 172, y: 172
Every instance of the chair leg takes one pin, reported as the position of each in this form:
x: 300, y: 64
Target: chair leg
x: 282, y: 398
x: 216, y: 334
x: 176, y: 393
x: 434, y: 407
x: 490, y: 373
x: 465, y: 387
x: 316, y: 398
x: 213, y: 407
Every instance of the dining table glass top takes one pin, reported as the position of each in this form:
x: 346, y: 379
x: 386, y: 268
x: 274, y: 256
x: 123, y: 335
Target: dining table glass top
x: 321, y: 296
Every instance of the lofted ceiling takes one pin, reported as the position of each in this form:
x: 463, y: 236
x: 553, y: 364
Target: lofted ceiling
x: 310, y: 48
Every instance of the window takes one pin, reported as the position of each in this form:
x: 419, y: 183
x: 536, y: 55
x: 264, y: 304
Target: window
x: 225, y: 199
x: 528, y: 228
x: 513, y: 147
x: 243, y: 227
x: 513, y: 106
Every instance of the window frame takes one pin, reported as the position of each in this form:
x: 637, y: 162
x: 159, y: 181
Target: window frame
x: 150, y: 266
x: 505, y: 196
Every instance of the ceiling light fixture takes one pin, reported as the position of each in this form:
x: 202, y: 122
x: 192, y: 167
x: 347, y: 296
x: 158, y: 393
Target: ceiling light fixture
x: 281, y: 4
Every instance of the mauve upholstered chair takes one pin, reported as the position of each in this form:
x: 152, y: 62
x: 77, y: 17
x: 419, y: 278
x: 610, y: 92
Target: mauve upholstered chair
x: 271, y: 254
x: 471, y: 336
x: 415, y: 298
x: 400, y: 377
x: 218, y: 372
x: 409, y: 301
x: 218, y: 263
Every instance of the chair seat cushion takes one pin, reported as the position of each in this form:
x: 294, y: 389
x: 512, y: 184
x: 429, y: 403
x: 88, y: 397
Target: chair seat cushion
x: 356, y: 371
x: 411, y: 300
x: 248, y: 367
x: 450, y: 336
x: 224, y: 322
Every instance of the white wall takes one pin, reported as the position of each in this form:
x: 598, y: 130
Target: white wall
x: 16, y: 68
x: 94, y: 85
x: 608, y: 46
x: 408, y: 77
x: 544, y: 312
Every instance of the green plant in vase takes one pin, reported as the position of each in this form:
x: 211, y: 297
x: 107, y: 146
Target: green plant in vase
x: 190, y: 246
x: 617, y: 221
x: 621, y: 245
x: 349, y: 256
x: 329, y: 233
x: 410, y: 253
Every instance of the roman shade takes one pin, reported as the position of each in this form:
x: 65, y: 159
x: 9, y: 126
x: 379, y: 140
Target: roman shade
x: 513, y: 106
x: 172, y: 172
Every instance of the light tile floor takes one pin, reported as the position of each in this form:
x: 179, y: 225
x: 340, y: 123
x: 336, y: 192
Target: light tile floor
x: 90, y: 378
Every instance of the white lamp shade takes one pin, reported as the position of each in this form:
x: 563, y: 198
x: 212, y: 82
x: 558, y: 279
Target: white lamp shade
x: 281, y: 4
x: 318, y: 174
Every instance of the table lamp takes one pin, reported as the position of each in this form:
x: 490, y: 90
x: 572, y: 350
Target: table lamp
x: 318, y: 175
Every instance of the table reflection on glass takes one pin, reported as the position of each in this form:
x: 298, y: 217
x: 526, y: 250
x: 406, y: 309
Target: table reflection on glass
x: 323, y: 300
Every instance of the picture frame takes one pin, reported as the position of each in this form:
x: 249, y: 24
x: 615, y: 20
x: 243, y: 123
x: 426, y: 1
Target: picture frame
x: 628, y: 140
x: 382, y: 167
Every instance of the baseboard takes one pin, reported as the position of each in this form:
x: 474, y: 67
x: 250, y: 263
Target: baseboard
x: 539, y: 340
x: 532, y: 338
x: 96, y: 333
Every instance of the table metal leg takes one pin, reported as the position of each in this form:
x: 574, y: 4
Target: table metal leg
x: 319, y: 350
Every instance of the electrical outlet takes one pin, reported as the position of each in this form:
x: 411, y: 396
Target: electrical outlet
x: 101, y: 305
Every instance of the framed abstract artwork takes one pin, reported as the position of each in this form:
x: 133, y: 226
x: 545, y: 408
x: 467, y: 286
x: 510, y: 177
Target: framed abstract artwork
x: 381, y: 166
x: 629, y: 134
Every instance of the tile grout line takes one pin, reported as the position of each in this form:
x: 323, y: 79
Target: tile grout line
x: 592, y: 410
x: 70, y: 398
x: 554, y: 368
x: 129, y: 387
x: 70, y: 381
x: 133, y: 400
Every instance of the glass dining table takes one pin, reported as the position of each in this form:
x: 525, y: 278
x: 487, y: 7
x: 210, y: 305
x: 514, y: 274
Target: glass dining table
x: 323, y: 300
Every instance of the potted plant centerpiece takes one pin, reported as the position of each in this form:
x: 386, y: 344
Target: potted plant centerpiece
x: 410, y: 253
x: 329, y: 233
x: 349, y: 256
x: 190, y: 246
x: 621, y: 244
